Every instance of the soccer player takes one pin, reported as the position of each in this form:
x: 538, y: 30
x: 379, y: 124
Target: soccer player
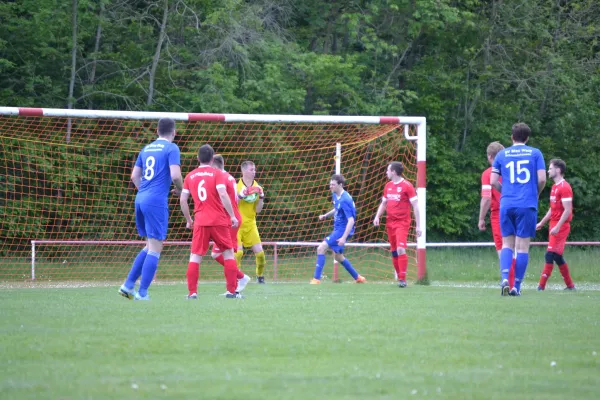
x: 560, y: 215
x: 523, y: 178
x: 213, y: 219
x: 490, y: 200
x: 217, y: 254
x: 344, y: 213
x: 398, y: 197
x: 251, y: 203
x: 157, y: 165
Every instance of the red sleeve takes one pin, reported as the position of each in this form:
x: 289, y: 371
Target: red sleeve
x: 486, y: 186
x: 221, y: 179
x: 384, y: 191
x: 410, y: 191
x: 566, y: 192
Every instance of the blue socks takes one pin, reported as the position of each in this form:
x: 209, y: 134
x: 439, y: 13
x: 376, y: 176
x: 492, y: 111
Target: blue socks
x: 520, y: 269
x: 320, y: 265
x: 350, y: 268
x: 136, y: 269
x: 506, y: 257
x: 148, y: 271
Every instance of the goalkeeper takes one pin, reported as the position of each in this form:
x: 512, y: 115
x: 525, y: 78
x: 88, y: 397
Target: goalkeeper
x: 251, y: 196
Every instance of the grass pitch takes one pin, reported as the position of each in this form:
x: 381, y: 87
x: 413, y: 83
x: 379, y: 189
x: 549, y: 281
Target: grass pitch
x: 297, y: 341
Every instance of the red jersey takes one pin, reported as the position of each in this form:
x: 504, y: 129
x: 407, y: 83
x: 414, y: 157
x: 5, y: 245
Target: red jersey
x: 398, y: 196
x: 232, y: 192
x: 202, y: 183
x: 488, y: 191
x: 560, y: 192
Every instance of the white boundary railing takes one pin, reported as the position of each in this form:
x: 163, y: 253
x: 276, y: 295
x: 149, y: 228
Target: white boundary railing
x: 275, y: 245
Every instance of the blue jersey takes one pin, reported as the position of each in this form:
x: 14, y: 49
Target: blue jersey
x: 518, y: 165
x: 344, y: 209
x: 155, y: 160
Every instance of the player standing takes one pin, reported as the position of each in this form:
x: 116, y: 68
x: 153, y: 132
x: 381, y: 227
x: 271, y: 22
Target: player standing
x: 157, y: 165
x: 217, y: 254
x: 250, y: 205
x: 560, y: 215
x: 490, y: 200
x: 213, y: 219
x: 344, y: 213
x: 398, y: 197
x: 523, y: 178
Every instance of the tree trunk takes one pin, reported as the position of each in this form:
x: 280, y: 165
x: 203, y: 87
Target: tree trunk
x: 73, y: 67
x: 92, y: 77
x: 156, y: 58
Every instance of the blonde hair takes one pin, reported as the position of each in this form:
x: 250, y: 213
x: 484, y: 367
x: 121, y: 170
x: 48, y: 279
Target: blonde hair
x: 494, y: 148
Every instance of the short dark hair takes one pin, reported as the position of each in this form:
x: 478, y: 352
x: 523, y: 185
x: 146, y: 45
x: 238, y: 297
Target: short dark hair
x: 166, y: 126
x: 520, y: 132
x: 246, y: 165
x: 339, y: 179
x: 560, y: 164
x: 205, y: 154
x: 397, y: 167
x: 218, y: 161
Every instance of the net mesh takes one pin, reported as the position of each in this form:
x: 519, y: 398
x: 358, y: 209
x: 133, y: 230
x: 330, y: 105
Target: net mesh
x: 68, y: 180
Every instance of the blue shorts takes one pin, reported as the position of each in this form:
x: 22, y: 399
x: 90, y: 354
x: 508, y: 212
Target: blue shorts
x: 152, y: 222
x: 332, y: 241
x: 518, y: 221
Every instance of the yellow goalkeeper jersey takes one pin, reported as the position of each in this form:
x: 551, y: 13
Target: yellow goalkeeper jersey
x: 247, y: 208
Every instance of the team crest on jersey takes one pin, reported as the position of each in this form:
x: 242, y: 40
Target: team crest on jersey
x: 399, y: 189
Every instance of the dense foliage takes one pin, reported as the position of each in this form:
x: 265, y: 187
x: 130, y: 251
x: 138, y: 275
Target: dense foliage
x: 473, y: 68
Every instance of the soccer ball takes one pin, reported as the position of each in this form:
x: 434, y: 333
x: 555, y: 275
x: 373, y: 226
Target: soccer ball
x: 251, y: 198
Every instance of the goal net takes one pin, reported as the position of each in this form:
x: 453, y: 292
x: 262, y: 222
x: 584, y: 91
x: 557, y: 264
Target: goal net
x: 68, y: 202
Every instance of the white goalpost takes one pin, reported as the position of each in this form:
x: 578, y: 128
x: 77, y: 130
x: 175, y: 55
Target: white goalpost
x: 67, y: 177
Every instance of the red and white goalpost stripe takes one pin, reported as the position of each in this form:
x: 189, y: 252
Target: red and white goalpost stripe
x: 55, y: 112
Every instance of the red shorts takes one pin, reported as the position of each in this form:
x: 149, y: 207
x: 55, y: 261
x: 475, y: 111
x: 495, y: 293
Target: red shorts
x: 398, y: 235
x: 234, y: 241
x: 221, y: 235
x: 556, y: 243
x: 496, y: 232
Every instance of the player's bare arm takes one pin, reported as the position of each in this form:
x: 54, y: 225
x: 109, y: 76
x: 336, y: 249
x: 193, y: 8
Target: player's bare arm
x: 349, y: 225
x: 261, y: 202
x: 484, y: 207
x: 185, y: 209
x: 495, y: 181
x: 544, y: 220
x: 541, y: 174
x: 227, y: 204
x: 326, y: 215
x: 136, y: 176
x: 415, y: 206
x: 568, y: 205
x: 380, y: 211
x: 177, y: 179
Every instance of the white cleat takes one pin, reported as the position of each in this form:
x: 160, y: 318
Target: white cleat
x: 242, y: 283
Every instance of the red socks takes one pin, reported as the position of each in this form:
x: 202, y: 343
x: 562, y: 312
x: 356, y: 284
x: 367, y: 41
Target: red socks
x: 546, y: 272
x: 231, y: 272
x: 193, y: 273
x: 564, y: 271
x: 511, y: 274
x: 221, y: 260
x: 402, y: 266
x: 396, y: 266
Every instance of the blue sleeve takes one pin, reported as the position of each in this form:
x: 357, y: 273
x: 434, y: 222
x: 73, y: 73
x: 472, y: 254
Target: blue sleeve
x: 348, y: 209
x: 540, y: 161
x: 174, y: 155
